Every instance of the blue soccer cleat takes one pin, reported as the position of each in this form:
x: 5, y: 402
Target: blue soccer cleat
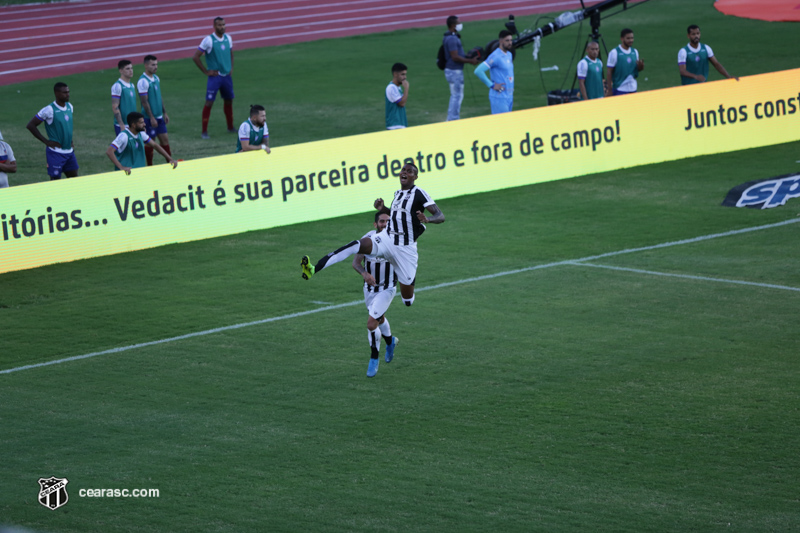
x: 372, y: 369
x: 390, y: 349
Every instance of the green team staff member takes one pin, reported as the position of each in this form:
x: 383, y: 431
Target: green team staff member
x: 253, y: 133
x: 396, y: 98
x: 123, y: 95
x: 57, y: 118
x: 590, y: 73
x: 623, y: 66
x: 693, y: 59
x: 153, y: 109
x: 127, y: 150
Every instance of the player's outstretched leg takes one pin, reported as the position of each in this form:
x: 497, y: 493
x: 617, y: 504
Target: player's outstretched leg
x: 364, y: 246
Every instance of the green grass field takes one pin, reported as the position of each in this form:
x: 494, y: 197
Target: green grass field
x: 532, y: 389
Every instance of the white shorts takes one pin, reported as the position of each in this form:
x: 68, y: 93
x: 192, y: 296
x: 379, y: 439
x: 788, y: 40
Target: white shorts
x: 378, y: 302
x: 404, y: 259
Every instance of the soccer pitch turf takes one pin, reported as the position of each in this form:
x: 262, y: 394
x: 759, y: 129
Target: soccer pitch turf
x: 653, y: 394
x: 614, y: 352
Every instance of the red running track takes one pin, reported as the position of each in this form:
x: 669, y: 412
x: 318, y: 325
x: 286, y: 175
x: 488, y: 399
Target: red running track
x: 48, y: 40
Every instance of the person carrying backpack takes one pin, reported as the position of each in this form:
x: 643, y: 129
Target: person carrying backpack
x: 454, y: 59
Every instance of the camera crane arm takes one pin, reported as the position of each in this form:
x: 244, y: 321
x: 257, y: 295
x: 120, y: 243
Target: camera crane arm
x: 565, y: 19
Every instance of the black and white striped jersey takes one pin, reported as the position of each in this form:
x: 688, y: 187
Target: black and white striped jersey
x: 381, y: 269
x: 404, y: 226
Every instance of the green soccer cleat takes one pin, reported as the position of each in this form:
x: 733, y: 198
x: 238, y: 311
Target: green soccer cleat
x: 308, y: 268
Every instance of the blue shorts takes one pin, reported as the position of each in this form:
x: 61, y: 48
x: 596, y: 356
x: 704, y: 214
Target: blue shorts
x: 223, y: 84
x: 501, y: 104
x: 160, y: 128
x: 58, y: 163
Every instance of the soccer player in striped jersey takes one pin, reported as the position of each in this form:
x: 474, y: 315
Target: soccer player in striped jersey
x: 380, y: 286
x: 398, y: 242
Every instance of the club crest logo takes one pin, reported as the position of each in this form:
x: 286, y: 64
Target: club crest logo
x: 222, y: 46
x: 66, y: 117
x: 53, y: 492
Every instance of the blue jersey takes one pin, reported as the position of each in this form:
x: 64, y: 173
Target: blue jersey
x: 501, y: 69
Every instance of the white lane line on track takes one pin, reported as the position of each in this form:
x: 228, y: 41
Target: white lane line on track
x: 572, y: 262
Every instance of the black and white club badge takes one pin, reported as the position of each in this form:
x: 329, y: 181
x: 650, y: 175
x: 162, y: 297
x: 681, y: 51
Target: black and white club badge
x: 53, y: 492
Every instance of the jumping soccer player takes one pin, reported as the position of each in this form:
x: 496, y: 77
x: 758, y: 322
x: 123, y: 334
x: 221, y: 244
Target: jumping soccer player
x: 380, y: 286
x: 397, y: 243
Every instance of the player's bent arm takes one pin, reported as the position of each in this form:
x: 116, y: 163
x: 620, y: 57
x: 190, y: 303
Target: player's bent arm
x: 358, y: 266
x: 436, y: 217
x: 11, y: 166
x: 33, y: 127
x: 582, y: 85
x: 719, y: 67
x: 112, y: 155
x: 687, y: 74
x: 196, y: 58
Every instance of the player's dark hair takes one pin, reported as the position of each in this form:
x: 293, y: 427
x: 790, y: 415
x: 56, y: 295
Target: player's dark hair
x: 382, y: 211
x: 398, y: 67
x: 256, y: 109
x: 59, y: 85
x: 134, y: 117
x: 625, y: 32
x: 149, y: 58
x: 692, y: 27
x: 218, y: 18
x: 123, y: 63
x: 504, y: 33
x: 451, y: 21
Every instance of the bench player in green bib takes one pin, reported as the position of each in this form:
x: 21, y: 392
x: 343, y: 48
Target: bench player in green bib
x: 590, y: 73
x: 123, y: 95
x: 623, y: 66
x: 253, y: 133
x: 693, y: 59
x: 57, y: 118
x: 127, y: 150
x: 218, y: 49
x: 155, y: 114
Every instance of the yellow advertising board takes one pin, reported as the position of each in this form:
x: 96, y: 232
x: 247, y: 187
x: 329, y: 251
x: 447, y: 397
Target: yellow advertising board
x: 111, y: 213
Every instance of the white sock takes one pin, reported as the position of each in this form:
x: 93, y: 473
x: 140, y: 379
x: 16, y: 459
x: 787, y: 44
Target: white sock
x: 409, y: 301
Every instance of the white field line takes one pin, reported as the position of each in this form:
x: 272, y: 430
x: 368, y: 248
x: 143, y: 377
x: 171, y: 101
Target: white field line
x: 572, y: 262
x: 688, y: 276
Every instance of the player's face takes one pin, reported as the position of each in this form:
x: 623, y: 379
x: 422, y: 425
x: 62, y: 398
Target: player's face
x: 383, y: 220
x: 139, y: 126
x: 593, y: 50
x: 694, y: 36
x: 126, y: 72
x: 408, y: 175
x: 627, y: 41
x: 400, y: 77
x: 219, y: 27
x: 151, y: 67
x: 260, y: 119
x: 62, y: 95
x: 506, y: 43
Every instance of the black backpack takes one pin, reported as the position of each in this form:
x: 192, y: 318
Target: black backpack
x: 441, y: 59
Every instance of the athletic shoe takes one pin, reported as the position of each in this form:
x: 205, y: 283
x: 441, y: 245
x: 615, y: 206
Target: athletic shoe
x: 204, y: 135
x: 390, y: 349
x: 308, y: 268
x: 231, y: 130
x: 372, y: 369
